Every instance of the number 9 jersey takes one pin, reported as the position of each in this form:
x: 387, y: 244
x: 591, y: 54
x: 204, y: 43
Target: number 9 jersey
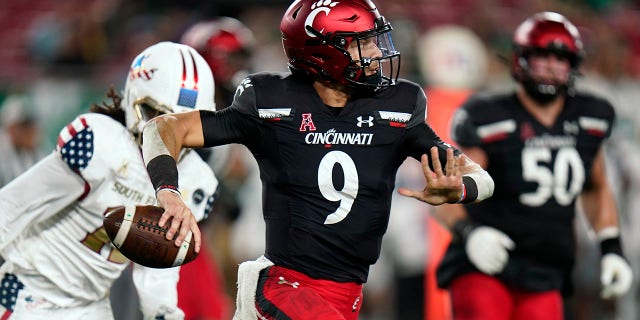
x: 327, y: 176
x: 538, y: 171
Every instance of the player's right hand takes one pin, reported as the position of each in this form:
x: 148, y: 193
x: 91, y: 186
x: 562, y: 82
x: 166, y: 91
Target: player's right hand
x: 183, y: 220
x: 487, y: 248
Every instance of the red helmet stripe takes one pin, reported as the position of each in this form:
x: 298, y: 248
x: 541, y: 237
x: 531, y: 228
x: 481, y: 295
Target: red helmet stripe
x: 184, y: 70
x: 195, y: 71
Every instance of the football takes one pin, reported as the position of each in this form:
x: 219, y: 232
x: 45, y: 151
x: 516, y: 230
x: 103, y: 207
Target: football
x: 134, y: 230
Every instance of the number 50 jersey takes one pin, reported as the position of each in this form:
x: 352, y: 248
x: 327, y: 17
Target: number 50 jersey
x: 327, y: 178
x: 538, y: 172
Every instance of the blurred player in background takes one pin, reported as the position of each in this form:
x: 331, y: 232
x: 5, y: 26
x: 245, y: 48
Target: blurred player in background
x: 19, y: 137
x: 329, y: 139
x: 226, y: 44
x: 454, y: 63
x: 60, y: 263
x: 512, y: 255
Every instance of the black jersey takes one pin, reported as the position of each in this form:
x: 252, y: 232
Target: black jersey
x: 327, y: 179
x: 538, y: 173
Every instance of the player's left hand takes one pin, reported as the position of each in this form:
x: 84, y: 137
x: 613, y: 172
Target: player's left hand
x: 616, y: 276
x: 442, y: 186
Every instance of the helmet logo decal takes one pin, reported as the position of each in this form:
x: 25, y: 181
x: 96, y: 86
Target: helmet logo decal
x: 189, y: 88
x: 138, y: 69
x: 320, y: 6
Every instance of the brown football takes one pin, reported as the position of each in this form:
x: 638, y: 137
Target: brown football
x: 135, y: 232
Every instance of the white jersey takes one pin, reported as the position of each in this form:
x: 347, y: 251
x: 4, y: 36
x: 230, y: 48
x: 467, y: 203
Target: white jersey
x: 51, y: 224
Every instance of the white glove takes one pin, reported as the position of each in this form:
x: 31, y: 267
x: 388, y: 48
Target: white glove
x: 616, y: 276
x: 487, y: 248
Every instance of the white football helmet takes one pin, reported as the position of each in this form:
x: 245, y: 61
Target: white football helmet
x: 166, y: 77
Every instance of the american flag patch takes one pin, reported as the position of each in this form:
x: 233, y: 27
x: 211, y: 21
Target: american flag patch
x: 9, y: 288
x: 75, y: 144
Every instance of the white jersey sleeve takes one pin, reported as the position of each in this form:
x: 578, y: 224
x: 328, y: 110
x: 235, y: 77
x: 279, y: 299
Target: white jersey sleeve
x: 98, y: 155
x: 158, y: 293
x: 197, y: 184
x: 36, y: 195
x: 90, y: 145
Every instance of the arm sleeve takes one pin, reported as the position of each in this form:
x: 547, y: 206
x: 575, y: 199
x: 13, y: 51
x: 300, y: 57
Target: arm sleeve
x: 238, y: 123
x: 421, y: 138
x: 158, y: 293
x: 39, y: 193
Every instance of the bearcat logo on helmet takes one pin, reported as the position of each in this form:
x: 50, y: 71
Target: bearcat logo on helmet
x: 138, y: 69
x: 320, y: 6
x: 324, y: 39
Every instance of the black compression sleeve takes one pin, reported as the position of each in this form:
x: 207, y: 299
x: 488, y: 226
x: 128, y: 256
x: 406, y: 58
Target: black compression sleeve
x: 163, y: 172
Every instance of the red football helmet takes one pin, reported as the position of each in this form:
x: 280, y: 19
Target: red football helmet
x: 543, y: 33
x: 225, y: 43
x: 317, y: 33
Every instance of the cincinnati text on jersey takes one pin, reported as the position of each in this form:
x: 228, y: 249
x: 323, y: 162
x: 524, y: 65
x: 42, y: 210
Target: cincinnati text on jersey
x: 552, y: 142
x: 332, y: 137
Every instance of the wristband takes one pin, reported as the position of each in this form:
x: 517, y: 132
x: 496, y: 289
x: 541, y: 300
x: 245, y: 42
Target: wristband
x: 173, y: 189
x: 463, y: 194
x: 163, y: 173
x: 470, y: 190
x: 609, y: 238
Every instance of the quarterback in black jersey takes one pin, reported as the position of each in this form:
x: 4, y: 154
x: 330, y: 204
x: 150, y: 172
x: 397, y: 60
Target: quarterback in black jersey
x: 543, y: 146
x: 328, y: 139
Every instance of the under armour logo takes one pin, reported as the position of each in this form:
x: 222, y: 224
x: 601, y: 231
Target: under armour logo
x: 571, y: 127
x: 361, y: 121
x: 281, y: 280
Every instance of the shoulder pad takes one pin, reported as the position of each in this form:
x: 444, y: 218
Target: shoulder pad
x: 88, y: 142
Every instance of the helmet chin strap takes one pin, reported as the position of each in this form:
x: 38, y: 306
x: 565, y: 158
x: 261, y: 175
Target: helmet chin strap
x: 374, y: 79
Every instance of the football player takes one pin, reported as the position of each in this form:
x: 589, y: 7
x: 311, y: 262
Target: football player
x: 227, y: 45
x: 543, y: 146
x: 328, y: 138
x: 60, y: 263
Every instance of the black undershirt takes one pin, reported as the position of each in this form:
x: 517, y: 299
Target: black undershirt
x: 334, y: 110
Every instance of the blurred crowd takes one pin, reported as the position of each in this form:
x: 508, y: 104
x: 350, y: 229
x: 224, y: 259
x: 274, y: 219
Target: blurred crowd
x: 58, y: 57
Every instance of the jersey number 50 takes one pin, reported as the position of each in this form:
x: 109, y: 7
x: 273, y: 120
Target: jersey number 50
x: 552, y: 182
